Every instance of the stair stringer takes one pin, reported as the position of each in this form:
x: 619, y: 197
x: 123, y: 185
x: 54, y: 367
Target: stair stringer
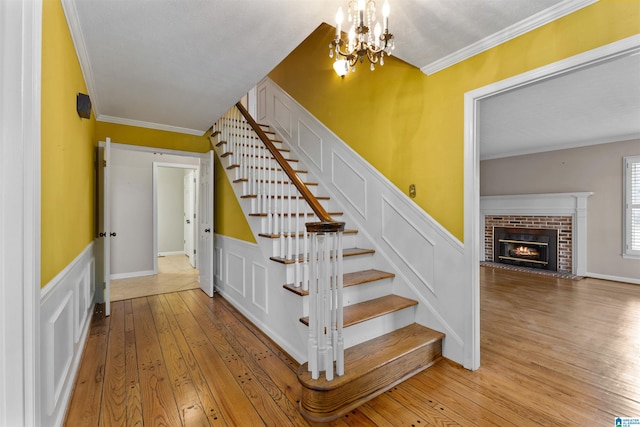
x: 431, y: 265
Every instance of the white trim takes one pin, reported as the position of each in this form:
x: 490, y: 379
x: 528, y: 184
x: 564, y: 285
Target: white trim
x: 132, y: 274
x: 145, y: 149
x: 472, y: 160
x: 148, y: 125
x: 77, y: 35
x: 171, y: 253
x: 627, y: 206
x: 472, y: 223
x: 20, y: 104
x: 531, y: 23
x: 631, y: 280
x: 44, y: 292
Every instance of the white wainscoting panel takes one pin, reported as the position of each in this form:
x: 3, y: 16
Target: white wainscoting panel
x: 310, y: 143
x: 66, y: 306
x: 260, y: 286
x: 261, y: 102
x: 429, y: 262
x: 409, y: 243
x: 268, y: 305
x: 348, y: 182
x: 235, y: 273
x: 282, y: 116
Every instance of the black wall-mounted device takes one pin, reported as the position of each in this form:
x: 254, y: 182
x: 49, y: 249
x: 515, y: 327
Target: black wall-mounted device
x: 83, y: 105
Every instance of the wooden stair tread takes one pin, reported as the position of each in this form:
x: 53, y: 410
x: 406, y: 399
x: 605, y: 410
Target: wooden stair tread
x: 272, y: 182
x: 366, y: 310
x: 277, y: 236
x: 300, y: 214
x: 371, y: 368
x: 254, y: 196
x: 349, y: 279
x: 235, y: 165
x: 345, y: 253
x: 374, y: 354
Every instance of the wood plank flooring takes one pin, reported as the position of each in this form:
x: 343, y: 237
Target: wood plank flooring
x: 555, y: 352
x: 174, y: 274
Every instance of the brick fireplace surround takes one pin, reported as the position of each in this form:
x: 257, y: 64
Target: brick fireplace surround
x: 561, y: 223
x: 566, y: 212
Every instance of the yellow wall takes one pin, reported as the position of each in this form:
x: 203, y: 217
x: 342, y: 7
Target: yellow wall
x: 135, y: 135
x: 409, y: 125
x: 229, y: 218
x: 68, y: 178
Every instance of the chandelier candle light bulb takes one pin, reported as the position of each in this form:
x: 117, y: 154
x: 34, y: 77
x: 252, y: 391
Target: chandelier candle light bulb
x: 360, y: 42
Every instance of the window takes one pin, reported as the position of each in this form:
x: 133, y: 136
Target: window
x: 631, y: 238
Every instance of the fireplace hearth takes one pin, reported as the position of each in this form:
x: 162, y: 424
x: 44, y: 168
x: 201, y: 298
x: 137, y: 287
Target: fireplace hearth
x: 527, y: 247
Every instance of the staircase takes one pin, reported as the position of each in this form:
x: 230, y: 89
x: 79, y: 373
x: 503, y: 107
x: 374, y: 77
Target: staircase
x: 383, y: 344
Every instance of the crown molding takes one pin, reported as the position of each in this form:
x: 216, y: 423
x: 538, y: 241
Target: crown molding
x: 538, y: 20
x: 71, y: 13
x: 149, y: 125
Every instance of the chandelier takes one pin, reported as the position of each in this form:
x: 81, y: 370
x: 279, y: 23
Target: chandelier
x: 361, y: 42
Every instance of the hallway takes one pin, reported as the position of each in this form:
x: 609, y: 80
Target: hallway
x: 174, y: 274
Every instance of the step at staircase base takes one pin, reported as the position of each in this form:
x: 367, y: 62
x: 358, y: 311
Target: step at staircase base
x: 371, y: 368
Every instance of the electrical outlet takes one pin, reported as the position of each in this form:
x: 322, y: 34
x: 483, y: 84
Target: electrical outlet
x: 412, y: 191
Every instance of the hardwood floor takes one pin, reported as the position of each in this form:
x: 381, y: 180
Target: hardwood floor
x: 555, y: 352
x: 174, y: 274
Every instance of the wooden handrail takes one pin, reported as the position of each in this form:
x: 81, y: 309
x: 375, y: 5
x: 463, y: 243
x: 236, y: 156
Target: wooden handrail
x: 326, y: 224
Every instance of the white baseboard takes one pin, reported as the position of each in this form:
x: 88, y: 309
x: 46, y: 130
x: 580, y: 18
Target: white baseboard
x: 66, y: 308
x: 132, y: 274
x: 171, y: 253
x: 614, y: 278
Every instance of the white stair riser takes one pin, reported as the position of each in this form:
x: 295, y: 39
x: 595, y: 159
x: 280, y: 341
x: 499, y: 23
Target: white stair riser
x: 367, y: 291
x: 381, y: 325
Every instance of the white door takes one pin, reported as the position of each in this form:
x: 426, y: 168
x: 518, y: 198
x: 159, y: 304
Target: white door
x: 103, y: 247
x: 205, y: 224
x: 189, y: 220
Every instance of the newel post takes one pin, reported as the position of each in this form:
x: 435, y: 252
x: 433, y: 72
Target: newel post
x: 326, y: 343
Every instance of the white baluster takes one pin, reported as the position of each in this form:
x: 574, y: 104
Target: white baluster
x: 289, y: 227
x: 305, y: 263
x: 269, y: 197
x: 339, y: 306
x: 282, y: 232
x: 276, y: 221
x: 297, y: 275
x: 312, y: 352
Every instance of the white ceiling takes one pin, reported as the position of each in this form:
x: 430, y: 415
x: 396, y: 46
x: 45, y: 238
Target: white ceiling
x: 592, y: 105
x: 180, y: 64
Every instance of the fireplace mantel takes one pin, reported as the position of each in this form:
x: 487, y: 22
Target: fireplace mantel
x: 573, y: 204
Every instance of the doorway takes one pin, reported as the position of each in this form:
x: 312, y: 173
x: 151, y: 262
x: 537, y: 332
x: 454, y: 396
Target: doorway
x: 473, y: 101
x: 153, y: 194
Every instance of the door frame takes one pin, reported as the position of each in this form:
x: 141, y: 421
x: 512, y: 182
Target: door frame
x: 472, y: 101
x: 157, y: 165
x: 20, y: 140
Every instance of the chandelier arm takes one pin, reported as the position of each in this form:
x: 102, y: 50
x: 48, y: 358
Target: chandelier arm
x: 361, y: 42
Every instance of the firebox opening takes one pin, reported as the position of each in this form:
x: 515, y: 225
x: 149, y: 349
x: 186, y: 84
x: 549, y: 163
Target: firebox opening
x: 528, y: 247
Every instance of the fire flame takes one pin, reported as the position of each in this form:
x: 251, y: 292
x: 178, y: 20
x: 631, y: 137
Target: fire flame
x: 525, y: 251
